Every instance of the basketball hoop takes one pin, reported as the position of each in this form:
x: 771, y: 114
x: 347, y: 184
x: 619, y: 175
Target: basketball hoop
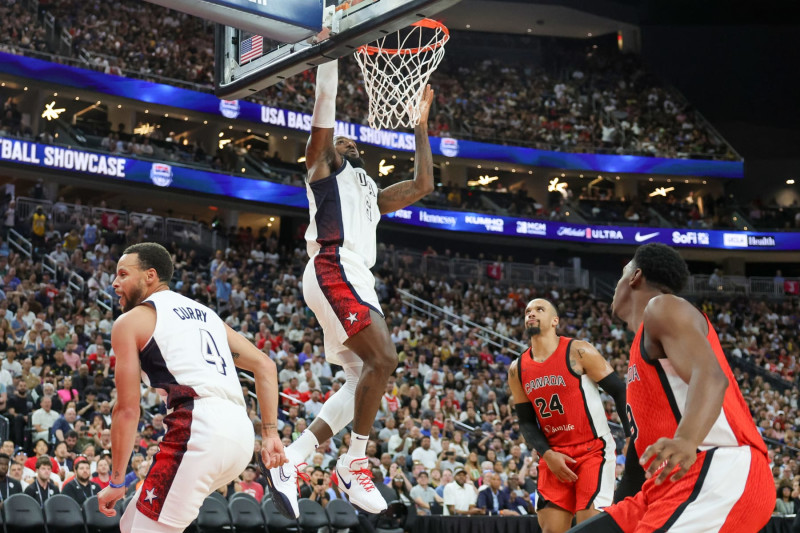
x: 396, y: 70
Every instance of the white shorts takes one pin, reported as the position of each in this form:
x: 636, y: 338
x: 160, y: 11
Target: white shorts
x: 340, y: 291
x: 208, y: 443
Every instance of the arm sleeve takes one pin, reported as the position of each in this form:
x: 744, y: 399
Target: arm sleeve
x: 616, y: 388
x: 530, y: 429
x: 325, y: 104
x: 632, y: 477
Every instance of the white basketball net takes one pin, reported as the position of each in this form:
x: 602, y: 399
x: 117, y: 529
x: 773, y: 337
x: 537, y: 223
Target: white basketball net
x: 395, y: 78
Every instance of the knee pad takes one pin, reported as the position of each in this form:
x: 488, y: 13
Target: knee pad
x: 339, y: 410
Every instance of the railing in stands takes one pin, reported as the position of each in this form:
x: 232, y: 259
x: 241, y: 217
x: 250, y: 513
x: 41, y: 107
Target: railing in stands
x: 434, y: 311
x: 25, y: 208
x: 433, y: 266
x: 757, y: 286
x: 20, y: 243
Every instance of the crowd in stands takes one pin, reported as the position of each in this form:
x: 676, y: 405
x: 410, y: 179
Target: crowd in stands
x: 445, y: 410
x: 571, y: 95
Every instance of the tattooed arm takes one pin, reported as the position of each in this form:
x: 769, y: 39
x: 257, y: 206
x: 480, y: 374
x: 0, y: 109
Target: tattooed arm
x: 129, y: 334
x: 248, y: 357
x: 407, y: 192
x: 585, y: 359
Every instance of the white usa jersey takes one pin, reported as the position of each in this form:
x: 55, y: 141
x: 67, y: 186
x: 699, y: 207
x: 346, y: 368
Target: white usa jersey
x: 344, y: 213
x: 188, y: 356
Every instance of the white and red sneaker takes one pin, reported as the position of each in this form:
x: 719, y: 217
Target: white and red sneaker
x: 353, y: 476
x: 284, y: 486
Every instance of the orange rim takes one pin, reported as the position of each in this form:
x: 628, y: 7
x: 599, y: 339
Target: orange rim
x: 424, y: 23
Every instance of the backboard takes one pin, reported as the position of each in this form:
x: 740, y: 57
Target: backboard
x: 246, y: 62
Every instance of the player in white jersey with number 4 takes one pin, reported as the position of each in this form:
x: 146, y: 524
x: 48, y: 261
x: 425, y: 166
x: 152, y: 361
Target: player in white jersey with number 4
x: 345, y: 207
x: 189, y: 355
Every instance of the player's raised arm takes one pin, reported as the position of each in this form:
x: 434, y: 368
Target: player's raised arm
x: 407, y: 192
x: 321, y: 158
x: 680, y: 330
x: 529, y: 427
x: 599, y: 370
x: 248, y: 357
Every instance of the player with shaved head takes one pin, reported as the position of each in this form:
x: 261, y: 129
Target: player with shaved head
x: 555, y: 389
x: 345, y: 206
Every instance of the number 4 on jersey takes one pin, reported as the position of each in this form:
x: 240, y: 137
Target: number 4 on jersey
x: 210, y: 352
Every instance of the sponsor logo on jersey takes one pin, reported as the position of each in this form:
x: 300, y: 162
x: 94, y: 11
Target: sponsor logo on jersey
x: 161, y: 174
x: 544, y: 381
x: 229, y: 108
x: 554, y: 429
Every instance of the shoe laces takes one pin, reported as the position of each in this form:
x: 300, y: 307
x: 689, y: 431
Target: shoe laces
x: 301, y: 474
x: 364, y: 477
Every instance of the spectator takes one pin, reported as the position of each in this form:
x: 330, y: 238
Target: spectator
x: 65, y: 424
x: 423, y: 495
x: 494, y: 499
x: 43, y: 419
x: 80, y: 488
x: 42, y: 487
x: 8, y: 486
x: 249, y: 483
x: 459, y: 497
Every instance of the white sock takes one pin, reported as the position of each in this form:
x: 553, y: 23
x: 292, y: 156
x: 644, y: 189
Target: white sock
x: 304, y: 446
x: 358, y: 445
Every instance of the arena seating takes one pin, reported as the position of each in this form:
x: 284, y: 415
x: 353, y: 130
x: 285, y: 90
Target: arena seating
x: 439, y: 355
x: 585, y: 96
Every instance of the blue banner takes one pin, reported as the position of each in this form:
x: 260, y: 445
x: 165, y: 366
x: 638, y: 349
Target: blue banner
x: 156, y: 93
x: 562, y: 231
x: 150, y: 173
x: 133, y: 170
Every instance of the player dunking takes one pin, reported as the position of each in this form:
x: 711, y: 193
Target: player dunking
x: 188, y: 353
x: 689, y: 422
x: 345, y: 206
x: 561, y: 415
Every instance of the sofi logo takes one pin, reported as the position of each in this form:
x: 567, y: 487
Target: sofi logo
x: 229, y: 108
x: 690, y: 237
x: 161, y: 174
x: 449, y: 147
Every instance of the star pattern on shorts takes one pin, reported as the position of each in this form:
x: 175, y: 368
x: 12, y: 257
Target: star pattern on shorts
x: 352, y: 318
x: 150, y: 495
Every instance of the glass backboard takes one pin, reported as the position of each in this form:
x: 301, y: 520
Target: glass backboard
x: 246, y: 62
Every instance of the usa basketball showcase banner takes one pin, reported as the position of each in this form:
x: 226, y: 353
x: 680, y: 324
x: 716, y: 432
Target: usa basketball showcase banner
x: 102, y: 165
x: 156, y: 93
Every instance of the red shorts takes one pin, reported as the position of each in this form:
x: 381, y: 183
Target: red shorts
x: 595, y: 471
x: 728, y: 490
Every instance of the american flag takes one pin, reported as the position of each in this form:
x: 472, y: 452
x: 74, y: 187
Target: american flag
x: 250, y: 49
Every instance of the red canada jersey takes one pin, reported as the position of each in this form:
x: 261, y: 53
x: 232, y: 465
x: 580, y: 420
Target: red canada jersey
x: 568, y: 406
x: 656, y: 397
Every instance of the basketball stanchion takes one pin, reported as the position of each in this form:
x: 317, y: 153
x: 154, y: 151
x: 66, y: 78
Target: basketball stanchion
x: 397, y: 68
